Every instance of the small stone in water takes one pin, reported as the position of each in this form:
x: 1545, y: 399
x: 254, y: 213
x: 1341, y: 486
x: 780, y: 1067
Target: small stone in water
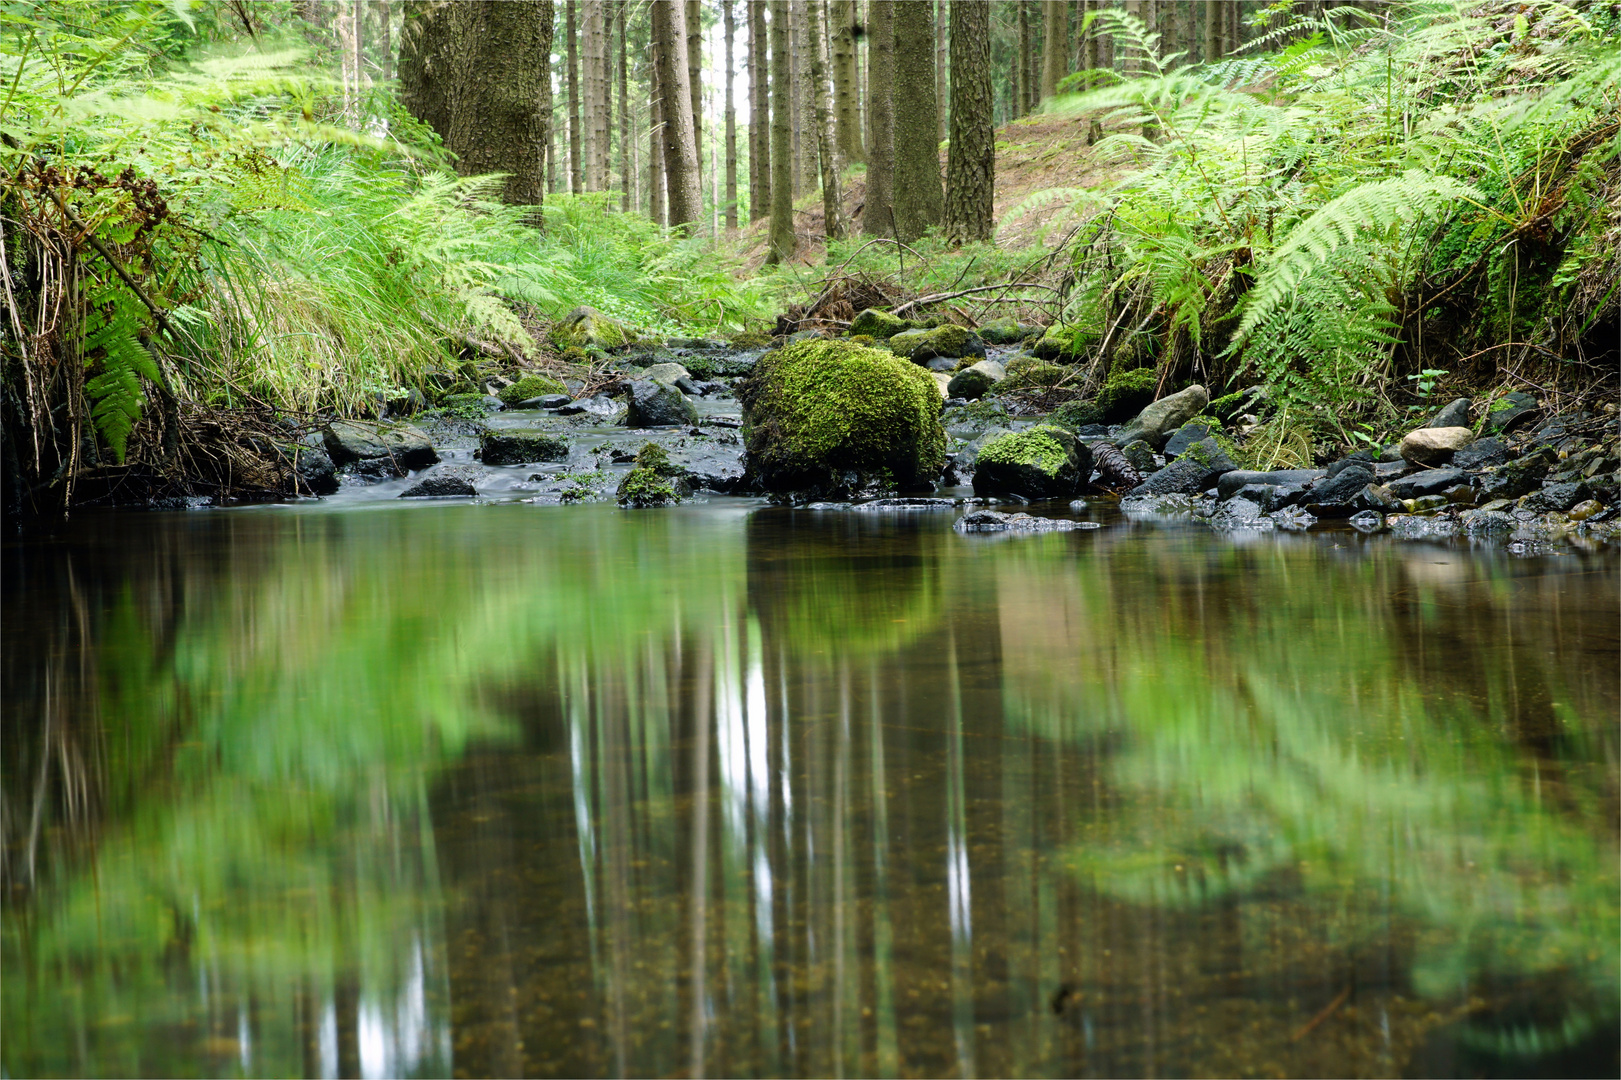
x: 1368, y: 521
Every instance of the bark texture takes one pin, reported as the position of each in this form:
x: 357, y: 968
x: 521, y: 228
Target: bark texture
x: 675, y: 105
x: 971, y: 161
x: 845, y: 92
x: 826, y: 137
x: 695, y: 81
x: 576, y: 162
x: 1055, y: 50
x: 783, y: 241
x: 919, y: 200
x: 473, y: 71
x: 878, y: 212
x: 731, y: 118
x: 759, y: 113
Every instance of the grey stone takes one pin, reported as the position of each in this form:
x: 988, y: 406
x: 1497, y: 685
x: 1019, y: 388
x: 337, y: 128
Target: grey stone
x: 492, y: 403
x: 1559, y: 497
x: 1184, y: 437
x: 1435, y: 446
x: 600, y: 407
x: 1513, y: 480
x: 1156, y: 422
x: 1486, y: 521
x: 1026, y: 476
x: 554, y: 401
x: 1293, y: 518
x: 655, y: 404
x: 1521, y: 409
x: 391, y: 449
x: 1240, y: 513
x: 1427, y: 482
x: 1332, y: 496
x: 1368, y: 521
x: 1232, y: 481
x: 441, y: 486
x: 972, y: 382
x: 1375, y: 498
x: 991, y: 521
x: 666, y: 373
x: 315, y: 473
x: 1187, y: 475
x: 1262, y: 495
x: 1481, y: 453
x: 1455, y: 414
x: 1361, y: 457
x: 710, y: 465
x: 516, y: 446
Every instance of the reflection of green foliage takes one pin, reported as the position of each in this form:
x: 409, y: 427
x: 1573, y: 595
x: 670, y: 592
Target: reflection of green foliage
x: 1277, y: 740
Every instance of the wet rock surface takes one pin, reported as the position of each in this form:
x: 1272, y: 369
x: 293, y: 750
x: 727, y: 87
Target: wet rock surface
x: 979, y: 521
x: 383, y: 449
x: 521, y: 447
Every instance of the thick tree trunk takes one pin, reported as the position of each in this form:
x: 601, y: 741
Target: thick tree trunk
x: 759, y: 113
x: 826, y: 138
x: 731, y: 118
x: 971, y: 160
x: 848, y: 116
x: 1056, y: 46
x: 1212, y: 30
x: 942, y: 65
x: 878, y: 213
x: 1025, y: 99
x: 695, y: 83
x: 657, y: 189
x: 627, y: 172
x: 576, y: 163
x: 919, y: 201
x: 783, y: 240
x: 591, y: 91
x: 472, y: 71
x: 680, y: 148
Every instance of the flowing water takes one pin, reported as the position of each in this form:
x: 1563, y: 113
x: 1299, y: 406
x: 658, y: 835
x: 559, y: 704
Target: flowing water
x: 729, y: 789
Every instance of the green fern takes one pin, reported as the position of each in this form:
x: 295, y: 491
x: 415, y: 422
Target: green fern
x: 113, y: 321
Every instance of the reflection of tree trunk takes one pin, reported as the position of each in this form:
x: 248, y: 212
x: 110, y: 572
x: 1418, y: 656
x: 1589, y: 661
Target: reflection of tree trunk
x: 698, y: 889
x: 346, y: 1003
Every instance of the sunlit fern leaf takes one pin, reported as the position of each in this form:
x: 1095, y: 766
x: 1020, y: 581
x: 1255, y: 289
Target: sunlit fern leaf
x: 112, y: 323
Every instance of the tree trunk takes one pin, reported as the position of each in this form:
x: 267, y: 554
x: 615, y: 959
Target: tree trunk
x: 680, y: 148
x: 1025, y: 100
x: 783, y: 241
x: 1235, y: 26
x: 826, y: 138
x: 385, y: 61
x: 731, y: 119
x: 1053, y: 56
x: 591, y: 89
x: 919, y: 201
x: 878, y: 212
x: 657, y: 189
x: 626, y: 172
x: 759, y: 113
x: 472, y: 71
x: 695, y: 84
x: 844, y: 80
x: 1212, y: 30
x: 971, y: 160
x: 576, y: 164
x: 942, y: 64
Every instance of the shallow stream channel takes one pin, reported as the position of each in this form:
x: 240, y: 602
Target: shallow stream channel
x: 371, y: 786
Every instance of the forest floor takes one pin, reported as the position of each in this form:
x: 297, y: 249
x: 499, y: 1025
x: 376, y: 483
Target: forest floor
x: 1034, y: 155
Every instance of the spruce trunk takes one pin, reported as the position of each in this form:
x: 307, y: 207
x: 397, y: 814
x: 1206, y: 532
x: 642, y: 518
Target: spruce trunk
x: 971, y: 160
x: 826, y: 138
x: 844, y: 80
x: 731, y: 119
x: 576, y: 167
x: 759, y: 113
x: 919, y: 200
x: 680, y: 148
x: 783, y: 241
x: 1053, y: 56
x: 878, y: 213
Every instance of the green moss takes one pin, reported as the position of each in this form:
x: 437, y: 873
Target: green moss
x: 531, y: 386
x: 653, y: 456
x: 464, y: 406
x: 863, y: 339
x: 752, y: 340
x: 1034, y: 446
x: 576, y: 355
x: 1225, y: 408
x: 646, y: 486
x: 586, y: 327
x: 878, y: 324
x: 835, y: 405
x: 1076, y: 414
x: 1030, y: 375
x: 1126, y: 393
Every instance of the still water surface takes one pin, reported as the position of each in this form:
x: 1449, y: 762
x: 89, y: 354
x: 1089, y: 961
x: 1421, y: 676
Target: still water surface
x: 502, y: 790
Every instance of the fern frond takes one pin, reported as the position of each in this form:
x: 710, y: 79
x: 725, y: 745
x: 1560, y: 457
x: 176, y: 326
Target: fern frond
x: 111, y: 326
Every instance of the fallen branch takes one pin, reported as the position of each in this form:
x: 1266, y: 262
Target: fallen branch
x: 940, y: 298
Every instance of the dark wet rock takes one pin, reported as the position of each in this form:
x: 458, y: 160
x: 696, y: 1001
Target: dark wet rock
x: 1427, y: 482
x: 1368, y: 521
x: 1586, y: 510
x: 1559, y: 497
x: 598, y: 407
x: 1155, y: 423
x: 1189, y: 474
x: 1435, y: 446
x: 1475, y: 522
x: 1240, y: 513
x: 904, y: 505
x: 1293, y: 518
x: 710, y: 465
x: 1376, y: 498
x: 1510, y: 481
x: 1262, y: 495
x: 1481, y: 453
x: 1043, y: 462
x: 390, y: 450
x: 1412, y: 527
x: 691, y: 387
x: 1184, y: 437
x: 975, y: 418
x: 1511, y: 411
x: 1334, y: 496
x: 554, y: 401
x: 1361, y: 457
x: 658, y: 404
x: 1231, y: 482
x: 991, y: 521
x: 972, y: 382
x: 515, y: 446
x: 1454, y: 414
x: 315, y: 472
x: 1141, y: 456
x: 440, y: 486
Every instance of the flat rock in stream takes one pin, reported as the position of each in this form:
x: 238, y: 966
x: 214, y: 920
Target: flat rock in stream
x: 982, y: 521
x: 388, y: 449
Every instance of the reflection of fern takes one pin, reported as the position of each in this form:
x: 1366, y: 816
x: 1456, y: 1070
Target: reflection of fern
x: 113, y: 319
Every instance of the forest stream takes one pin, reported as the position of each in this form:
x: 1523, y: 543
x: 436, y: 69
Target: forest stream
x: 358, y: 787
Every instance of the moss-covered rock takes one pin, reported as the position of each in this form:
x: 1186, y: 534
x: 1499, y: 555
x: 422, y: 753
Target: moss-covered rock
x: 1073, y: 415
x: 1126, y: 393
x: 973, y: 382
x: 832, y: 416
x: 949, y: 341
x: 1007, y: 331
x: 653, y: 482
x: 1063, y: 342
x: 752, y: 339
x: 588, y: 328
x: 1043, y: 462
x: 531, y: 386
x: 879, y: 324
x: 1029, y: 374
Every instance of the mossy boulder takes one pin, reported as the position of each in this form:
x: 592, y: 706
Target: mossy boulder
x: 972, y: 382
x: 752, y: 339
x: 588, y: 328
x: 1062, y: 342
x: 653, y: 482
x: 1029, y: 374
x: 949, y: 342
x: 1126, y: 393
x: 880, y: 325
x: 831, y: 416
x: 1073, y: 415
x: 1006, y: 331
x: 1043, y: 462
x: 531, y: 386
x: 520, y: 446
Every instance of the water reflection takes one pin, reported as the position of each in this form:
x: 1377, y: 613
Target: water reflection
x: 486, y: 791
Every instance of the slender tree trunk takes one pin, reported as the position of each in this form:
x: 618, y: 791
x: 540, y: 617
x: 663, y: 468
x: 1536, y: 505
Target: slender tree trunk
x: 878, y: 212
x: 1235, y: 26
x: 695, y: 82
x: 759, y: 113
x: 626, y: 171
x: 1212, y: 30
x: 591, y: 87
x: 919, y: 200
x: 472, y: 71
x: 826, y: 137
x: 783, y: 240
x: 576, y: 164
x: 657, y: 188
x: 680, y: 148
x: 1056, y: 46
x: 385, y: 18
x: 942, y: 65
x: 1025, y: 101
x: 844, y: 80
x: 971, y: 160
x: 731, y: 119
